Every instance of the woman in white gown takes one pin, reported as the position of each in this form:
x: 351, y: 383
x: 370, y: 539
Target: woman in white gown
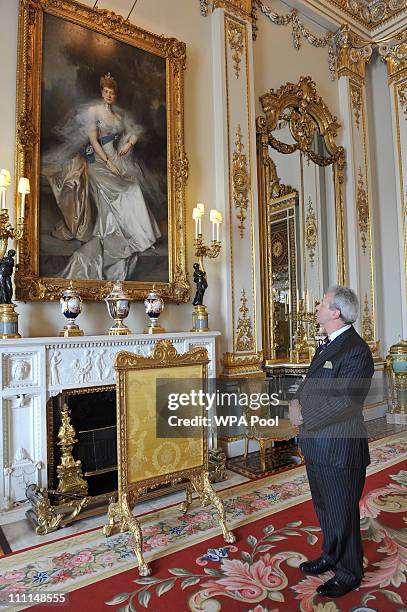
x: 104, y: 173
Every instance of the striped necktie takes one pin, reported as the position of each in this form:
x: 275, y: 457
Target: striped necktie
x: 324, y: 344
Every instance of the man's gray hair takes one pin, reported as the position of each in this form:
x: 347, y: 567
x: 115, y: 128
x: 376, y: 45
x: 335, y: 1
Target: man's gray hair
x: 346, y: 301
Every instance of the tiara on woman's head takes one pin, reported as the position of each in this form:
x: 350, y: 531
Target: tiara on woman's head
x: 107, y: 76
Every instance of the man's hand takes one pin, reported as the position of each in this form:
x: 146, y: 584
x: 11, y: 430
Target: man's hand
x: 294, y: 413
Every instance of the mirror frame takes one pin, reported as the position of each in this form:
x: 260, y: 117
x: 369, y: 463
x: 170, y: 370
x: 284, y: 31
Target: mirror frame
x: 310, y: 112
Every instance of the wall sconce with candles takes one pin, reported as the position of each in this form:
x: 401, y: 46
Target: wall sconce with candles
x: 8, y: 316
x: 200, y: 314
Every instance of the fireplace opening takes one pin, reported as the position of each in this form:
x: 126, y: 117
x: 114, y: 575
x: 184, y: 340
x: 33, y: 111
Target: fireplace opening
x: 89, y: 417
x: 92, y: 415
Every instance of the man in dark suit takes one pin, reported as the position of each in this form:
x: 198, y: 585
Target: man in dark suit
x: 328, y: 409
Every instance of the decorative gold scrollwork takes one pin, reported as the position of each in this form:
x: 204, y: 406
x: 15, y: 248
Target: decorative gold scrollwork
x: 240, y: 180
x: 242, y: 366
x: 356, y: 100
x: 309, y: 112
x: 236, y: 34
x: 373, y: 12
x: 244, y: 336
x: 353, y: 54
x: 240, y: 8
x: 363, y: 211
x: 367, y: 324
x: 394, y: 52
x: 402, y: 92
x: 311, y: 232
x: 302, y: 128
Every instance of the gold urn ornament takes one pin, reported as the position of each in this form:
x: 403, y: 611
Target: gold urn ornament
x: 118, y: 305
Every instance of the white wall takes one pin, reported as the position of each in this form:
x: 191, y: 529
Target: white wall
x: 384, y: 203
x: 182, y: 20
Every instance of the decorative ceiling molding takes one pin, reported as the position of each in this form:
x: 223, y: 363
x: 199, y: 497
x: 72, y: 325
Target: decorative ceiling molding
x: 394, y: 52
x: 371, y: 13
x: 353, y: 54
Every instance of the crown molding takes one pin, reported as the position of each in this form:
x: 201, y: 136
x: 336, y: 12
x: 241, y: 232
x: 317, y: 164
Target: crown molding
x: 334, y: 13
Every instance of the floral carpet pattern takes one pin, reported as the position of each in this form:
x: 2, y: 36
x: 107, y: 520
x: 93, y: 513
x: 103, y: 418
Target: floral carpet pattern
x: 255, y: 572
x: 250, y: 575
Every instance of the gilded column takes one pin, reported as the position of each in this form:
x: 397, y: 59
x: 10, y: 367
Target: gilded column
x: 236, y: 183
x: 394, y: 52
x: 353, y: 55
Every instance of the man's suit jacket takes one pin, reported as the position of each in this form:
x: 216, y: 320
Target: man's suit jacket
x: 332, y: 397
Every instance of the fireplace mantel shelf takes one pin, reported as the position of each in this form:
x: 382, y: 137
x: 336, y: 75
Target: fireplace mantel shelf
x: 35, y: 369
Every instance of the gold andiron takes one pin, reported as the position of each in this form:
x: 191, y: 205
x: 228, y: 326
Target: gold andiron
x: 69, y: 471
x: 200, y: 313
x: 8, y: 316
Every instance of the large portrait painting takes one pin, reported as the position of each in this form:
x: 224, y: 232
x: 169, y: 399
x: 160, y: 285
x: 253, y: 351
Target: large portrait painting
x: 100, y: 135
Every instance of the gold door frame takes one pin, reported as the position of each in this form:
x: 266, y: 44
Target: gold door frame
x: 309, y: 111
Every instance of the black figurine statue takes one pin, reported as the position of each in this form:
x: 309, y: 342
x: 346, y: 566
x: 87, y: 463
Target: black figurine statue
x: 6, y: 272
x: 201, y: 285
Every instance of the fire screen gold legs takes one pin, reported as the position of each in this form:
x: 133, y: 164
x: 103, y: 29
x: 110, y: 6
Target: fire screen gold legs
x: 207, y: 495
x: 120, y: 518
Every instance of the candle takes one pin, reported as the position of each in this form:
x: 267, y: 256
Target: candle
x: 24, y: 189
x: 196, y: 217
x: 2, y: 196
x: 5, y: 181
x: 307, y: 301
x: 298, y: 301
x: 289, y: 301
x: 213, y: 218
x: 6, y: 177
x: 220, y: 219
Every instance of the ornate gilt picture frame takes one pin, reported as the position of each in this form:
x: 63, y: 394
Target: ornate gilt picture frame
x: 100, y: 135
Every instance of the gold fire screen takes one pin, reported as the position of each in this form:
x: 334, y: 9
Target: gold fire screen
x: 145, y: 459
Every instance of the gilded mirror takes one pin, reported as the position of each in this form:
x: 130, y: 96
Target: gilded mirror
x: 300, y: 174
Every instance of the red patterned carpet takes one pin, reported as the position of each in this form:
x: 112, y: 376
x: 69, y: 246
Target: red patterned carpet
x: 260, y: 573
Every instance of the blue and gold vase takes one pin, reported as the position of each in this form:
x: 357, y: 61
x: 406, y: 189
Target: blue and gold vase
x: 154, y: 305
x: 71, y: 307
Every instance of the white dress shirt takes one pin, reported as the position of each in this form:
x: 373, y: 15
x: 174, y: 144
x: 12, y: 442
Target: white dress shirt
x: 338, y: 332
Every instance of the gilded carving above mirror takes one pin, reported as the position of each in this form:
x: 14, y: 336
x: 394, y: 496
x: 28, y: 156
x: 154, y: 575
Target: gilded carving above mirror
x: 301, y: 223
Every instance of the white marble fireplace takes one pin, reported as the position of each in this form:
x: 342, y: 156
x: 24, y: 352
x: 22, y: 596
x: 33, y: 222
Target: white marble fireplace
x: 35, y: 369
